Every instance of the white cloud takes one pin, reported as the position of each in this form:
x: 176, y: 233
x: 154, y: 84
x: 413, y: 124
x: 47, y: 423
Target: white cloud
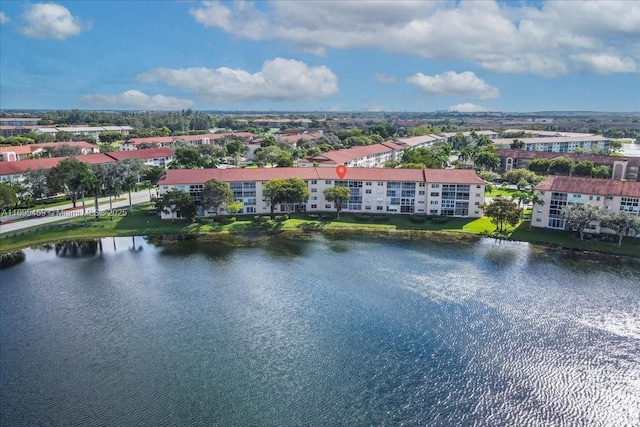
x: 606, y: 64
x: 467, y: 108
x: 450, y: 83
x: 279, y: 79
x: 506, y: 37
x: 50, y: 21
x: 4, y: 18
x: 383, y: 78
x: 138, y: 100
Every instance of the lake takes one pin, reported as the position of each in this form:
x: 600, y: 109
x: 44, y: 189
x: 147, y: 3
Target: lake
x: 318, y: 330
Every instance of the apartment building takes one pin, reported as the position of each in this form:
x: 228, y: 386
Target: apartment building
x: 449, y: 192
x: 149, y: 156
x: 560, y: 144
x: 23, y: 152
x: 622, y: 167
x: 558, y: 191
x: 366, y: 156
x: 195, y: 140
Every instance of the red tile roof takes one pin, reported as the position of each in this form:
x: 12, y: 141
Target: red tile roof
x: 144, y: 154
x: 354, y: 153
x: 198, y: 176
x: 15, y: 168
x: 590, y: 186
x: 31, y: 148
x: 453, y: 176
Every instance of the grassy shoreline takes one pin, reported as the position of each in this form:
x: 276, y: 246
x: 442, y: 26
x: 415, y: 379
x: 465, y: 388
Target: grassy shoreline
x: 144, y: 223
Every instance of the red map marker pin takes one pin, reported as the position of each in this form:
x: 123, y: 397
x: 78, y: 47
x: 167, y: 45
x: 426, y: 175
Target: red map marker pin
x: 341, y: 170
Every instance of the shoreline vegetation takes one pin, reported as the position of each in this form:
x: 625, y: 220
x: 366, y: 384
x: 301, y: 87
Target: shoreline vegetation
x: 144, y: 222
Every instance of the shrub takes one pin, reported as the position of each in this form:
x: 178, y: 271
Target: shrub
x: 281, y: 218
x: 260, y: 219
x: 227, y: 220
x: 362, y: 217
x: 417, y: 219
x: 439, y: 219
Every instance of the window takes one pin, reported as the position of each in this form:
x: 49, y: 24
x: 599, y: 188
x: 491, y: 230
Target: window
x: 433, y: 202
x: 477, y: 194
x: 435, y: 194
x: 368, y: 183
x: 379, y: 208
x: 368, y: 191
x: 314, y: 182
x: 314, y: 190
x: 421, y: 193
x: 538, y: 219
x: 421, y: 184
x: 328, y: 182
x: 327, y: 206
x: 380, y: 183
x: 367, y: 208
x: 250, y: 209
x: 367, y: 199
x: 314, y: 197
x: 379, y: 200
x: 435, y: 185
x: 314, y: 206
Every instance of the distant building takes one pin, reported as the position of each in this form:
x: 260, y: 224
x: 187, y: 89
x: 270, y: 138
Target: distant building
x: 560, y: 144
x: 169, y: 141
x: 366, y: 156
x: 14, y: 171
x: 150, y: 156
x: 23, y: 152
x: 623, y: 167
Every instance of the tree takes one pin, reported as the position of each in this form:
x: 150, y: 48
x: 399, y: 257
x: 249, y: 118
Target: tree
x: 584, y: 168
x: 215, y: 194
x: 579, y: 216
x: 517, y: 144
x: 234, y: 207
x: 502, y: 211
x: 561, y: 166
x: 269, y: 155
x: 177, y: 202
x: 485, y: 159
x: 540, y: 166
x: 8, y: 196
x: 153, y: 173
x: 35, y: 181
x: 285, y: 192
x: 131, y: 176
x: 63, y: 150
x: 337, y: 195
x: 187, y: 158
x: 66, y: 178
x: 236, y: 149
x: 601, y: 172
x: 622, y: 222
x: 516, y: 176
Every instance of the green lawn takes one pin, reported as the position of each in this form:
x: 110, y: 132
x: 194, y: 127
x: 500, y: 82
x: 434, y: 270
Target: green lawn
x: 144, y: 223
x: 500, y: 191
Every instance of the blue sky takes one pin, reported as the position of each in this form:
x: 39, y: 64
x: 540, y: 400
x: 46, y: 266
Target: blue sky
x: 515, y: 56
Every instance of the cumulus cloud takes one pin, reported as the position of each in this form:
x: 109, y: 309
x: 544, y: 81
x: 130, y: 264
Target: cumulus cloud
x: 606, y: 64
x: 4, y: 18
x: 450, y: 83
x: 506, y: 37
x: 50, y: 21
x: 138, y: 100
x: 279, y: 79
x: 383, y: 78
x: 467, y: 108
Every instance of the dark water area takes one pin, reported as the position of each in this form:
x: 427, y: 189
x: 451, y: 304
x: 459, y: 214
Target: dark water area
x: 318, y: 331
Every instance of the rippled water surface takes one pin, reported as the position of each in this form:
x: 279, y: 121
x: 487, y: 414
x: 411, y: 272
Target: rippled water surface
x: 322, y: 331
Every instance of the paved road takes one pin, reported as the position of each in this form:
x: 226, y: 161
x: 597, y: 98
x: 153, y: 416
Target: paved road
x: 61, y: 212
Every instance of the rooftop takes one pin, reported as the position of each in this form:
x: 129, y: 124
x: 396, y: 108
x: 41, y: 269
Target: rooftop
x: 591, y: 186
